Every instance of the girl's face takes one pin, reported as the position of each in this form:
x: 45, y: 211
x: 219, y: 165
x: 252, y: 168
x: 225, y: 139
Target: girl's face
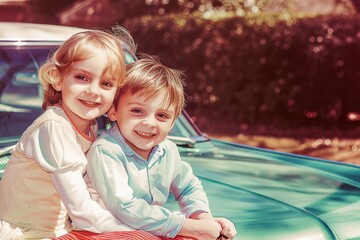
x: 143, y: 122
x: 86, y: 93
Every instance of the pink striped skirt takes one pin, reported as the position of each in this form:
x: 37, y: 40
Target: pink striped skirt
x: 129, y: 235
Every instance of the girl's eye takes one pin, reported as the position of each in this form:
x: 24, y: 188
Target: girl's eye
x: 136, y: 111
x: 81, y: 77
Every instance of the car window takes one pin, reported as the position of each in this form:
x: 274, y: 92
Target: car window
x: 183, y: 127
x: 20, y: 91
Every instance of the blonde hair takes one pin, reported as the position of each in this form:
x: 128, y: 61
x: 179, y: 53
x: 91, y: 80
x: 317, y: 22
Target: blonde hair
x: 148, y: 77
x: 79, y: 47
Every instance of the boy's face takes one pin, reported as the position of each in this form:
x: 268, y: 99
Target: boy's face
x: 144, y: 122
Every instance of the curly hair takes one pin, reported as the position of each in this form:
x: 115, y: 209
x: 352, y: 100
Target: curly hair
x: 79, y: 47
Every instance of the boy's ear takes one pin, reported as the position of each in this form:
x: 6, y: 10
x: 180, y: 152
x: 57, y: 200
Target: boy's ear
x: 112, y: 113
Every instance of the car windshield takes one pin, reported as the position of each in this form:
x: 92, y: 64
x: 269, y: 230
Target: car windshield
x: 21, y: 94
x: 20, y: 91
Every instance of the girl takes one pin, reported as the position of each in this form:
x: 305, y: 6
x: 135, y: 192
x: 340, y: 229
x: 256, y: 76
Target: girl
x: 43, y: 185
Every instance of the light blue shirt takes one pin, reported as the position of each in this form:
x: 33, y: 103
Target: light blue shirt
x: 134, y: 189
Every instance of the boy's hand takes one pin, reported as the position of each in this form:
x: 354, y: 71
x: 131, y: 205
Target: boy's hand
x: 201, y: 215
x: 203, y: 229
x: 211, y: 229
x: 228, y: 228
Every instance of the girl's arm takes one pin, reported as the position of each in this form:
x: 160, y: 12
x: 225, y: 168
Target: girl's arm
x: 54, y: 148
x: 85, y: 213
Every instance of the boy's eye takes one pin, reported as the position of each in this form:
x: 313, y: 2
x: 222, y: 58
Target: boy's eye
x: 108, y: 84
x: 164, y: 116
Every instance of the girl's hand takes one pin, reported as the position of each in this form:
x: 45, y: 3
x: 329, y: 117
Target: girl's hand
x: 228, y: 228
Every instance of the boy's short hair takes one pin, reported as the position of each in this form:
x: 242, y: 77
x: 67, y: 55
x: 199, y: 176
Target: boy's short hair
x: 148, y: 77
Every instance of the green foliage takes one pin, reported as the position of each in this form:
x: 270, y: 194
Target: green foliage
x: 303, y: 72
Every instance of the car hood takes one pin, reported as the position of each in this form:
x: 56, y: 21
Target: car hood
x: 273, y: 195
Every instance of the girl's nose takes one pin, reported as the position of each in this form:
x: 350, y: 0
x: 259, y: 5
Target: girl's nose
x: 92, y: 90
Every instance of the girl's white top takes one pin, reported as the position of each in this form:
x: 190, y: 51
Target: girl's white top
x: 43, y: 183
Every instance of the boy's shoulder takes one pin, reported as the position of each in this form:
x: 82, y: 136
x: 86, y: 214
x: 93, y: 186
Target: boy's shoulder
x: 105, y: 138
x: 110, y: 140
x: 168, y: 144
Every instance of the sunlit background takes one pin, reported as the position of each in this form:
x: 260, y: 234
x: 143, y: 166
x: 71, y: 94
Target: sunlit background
x: 280, y: 74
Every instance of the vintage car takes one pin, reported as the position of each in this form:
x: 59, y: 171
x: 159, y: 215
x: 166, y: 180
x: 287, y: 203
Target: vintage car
x: 267, y: 194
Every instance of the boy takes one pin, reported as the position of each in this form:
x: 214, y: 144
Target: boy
x: 134, y: 167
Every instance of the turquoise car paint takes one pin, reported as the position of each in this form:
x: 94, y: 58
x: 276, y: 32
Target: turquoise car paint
x: 307, y: 186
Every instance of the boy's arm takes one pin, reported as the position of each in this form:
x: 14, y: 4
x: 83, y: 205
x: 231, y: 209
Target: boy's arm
x: 109, y: 177
x: 204, y: 229
x: 201, y: 215
x: 187, y: 188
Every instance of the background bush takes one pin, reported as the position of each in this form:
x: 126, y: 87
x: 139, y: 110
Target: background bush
x: 244, y: 72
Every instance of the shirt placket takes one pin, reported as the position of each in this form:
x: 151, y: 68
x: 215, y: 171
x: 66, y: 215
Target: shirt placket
x: 152, y: 171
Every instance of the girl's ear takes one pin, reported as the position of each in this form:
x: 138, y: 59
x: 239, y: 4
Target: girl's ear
x: 57, y: 87
x: 112, y: 113
x: 54, y: 74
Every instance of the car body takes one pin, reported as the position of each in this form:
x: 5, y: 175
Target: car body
x: 267, y: 194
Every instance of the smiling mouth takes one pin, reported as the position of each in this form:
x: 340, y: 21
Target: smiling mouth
x: 144, y: 134
x: 89, y: 104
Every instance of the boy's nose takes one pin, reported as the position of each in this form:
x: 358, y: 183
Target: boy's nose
x: 149, y: 121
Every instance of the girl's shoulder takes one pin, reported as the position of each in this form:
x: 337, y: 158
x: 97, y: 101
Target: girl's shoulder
x: 53, y: 113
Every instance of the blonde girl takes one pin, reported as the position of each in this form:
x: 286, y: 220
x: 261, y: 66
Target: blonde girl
x: 43, y: 192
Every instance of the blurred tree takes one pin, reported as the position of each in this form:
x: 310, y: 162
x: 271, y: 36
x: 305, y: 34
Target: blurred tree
x: 45, y: 11
x: 237, y: 7
x: 356, y: 4
x: 156, y: 7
